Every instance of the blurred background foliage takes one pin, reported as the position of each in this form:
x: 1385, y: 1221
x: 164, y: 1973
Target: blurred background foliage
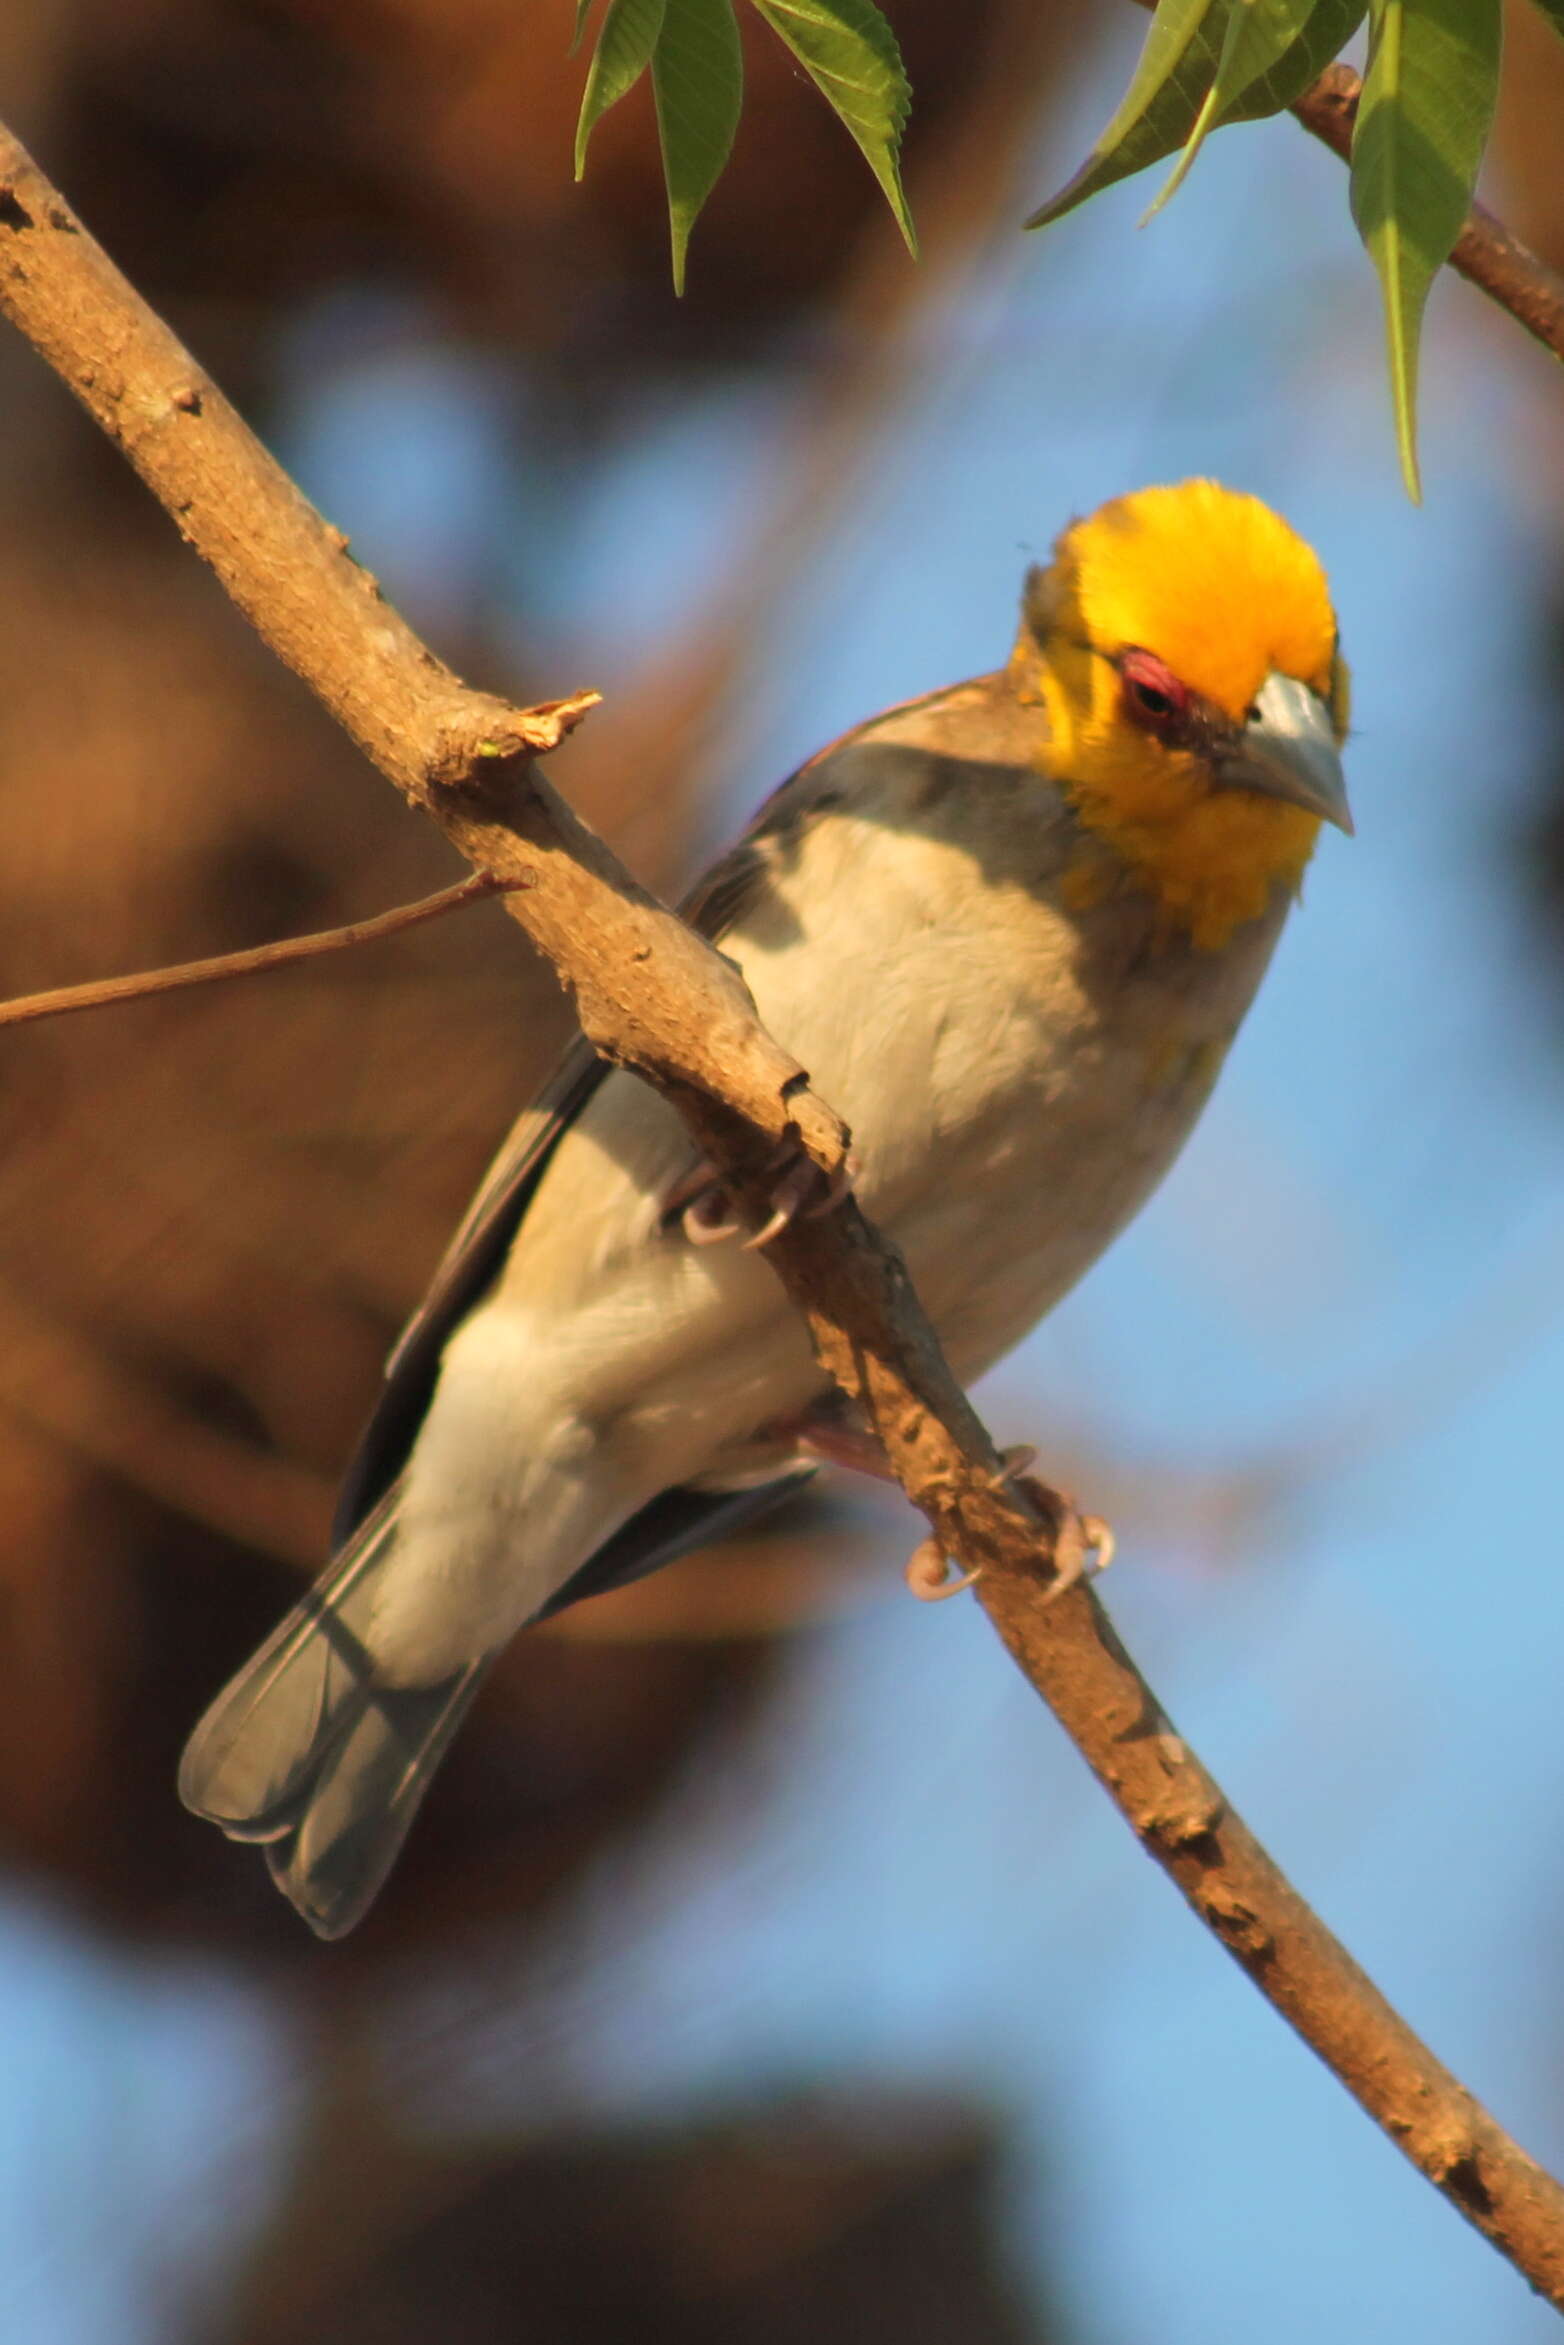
x: 627, y: 2051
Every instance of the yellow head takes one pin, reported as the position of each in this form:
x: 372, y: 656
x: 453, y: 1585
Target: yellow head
x: 1184, y: 644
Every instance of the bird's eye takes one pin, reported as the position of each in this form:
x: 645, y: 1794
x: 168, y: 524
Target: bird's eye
x: 1152, y: 693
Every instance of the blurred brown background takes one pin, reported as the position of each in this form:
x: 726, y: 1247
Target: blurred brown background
x: 217, y: 1209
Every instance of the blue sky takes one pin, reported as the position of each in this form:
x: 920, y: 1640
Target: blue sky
x: 1351, y: 1283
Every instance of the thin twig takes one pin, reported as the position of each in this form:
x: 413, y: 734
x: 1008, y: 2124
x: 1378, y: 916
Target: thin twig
x: 103, y: 992
x: 1485, y: 252
x: 652, y: 997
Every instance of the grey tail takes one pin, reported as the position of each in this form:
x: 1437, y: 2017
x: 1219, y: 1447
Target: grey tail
x: 305, y: 1751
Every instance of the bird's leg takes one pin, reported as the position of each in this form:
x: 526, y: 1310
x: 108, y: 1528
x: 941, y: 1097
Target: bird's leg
x: 1085, y: 1545
x: 702, y: 1204
x: 838, y: 1441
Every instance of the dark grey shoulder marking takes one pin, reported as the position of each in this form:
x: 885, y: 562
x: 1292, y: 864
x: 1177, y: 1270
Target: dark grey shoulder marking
x: 739, y: 878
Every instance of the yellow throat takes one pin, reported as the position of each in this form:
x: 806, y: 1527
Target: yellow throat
x: 1220, y: 592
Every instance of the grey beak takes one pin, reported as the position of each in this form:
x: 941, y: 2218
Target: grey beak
x: 1288, y: 750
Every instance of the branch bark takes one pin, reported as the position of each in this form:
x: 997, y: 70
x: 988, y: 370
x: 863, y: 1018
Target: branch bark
x: 1485, y: 252
x: 653, y: 997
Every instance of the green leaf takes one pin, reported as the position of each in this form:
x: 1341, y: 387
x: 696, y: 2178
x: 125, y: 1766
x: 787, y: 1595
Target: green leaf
x: 698, y: 80
x: 1259, y: 34
x: 1157, y: 112
x: 1553, y: 10
x: 625, y: 42
x: 1174, y: 80
x: 583, y: 11
x: 1423, y: 122
x: 1328, y: 28
x: 850, y: 53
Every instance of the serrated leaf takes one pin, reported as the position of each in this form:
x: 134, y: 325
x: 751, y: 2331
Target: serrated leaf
x: 1259, y: 34
x: 1164, y: 100
x: 850, y: 53
x: 1176, y: 67
x: 1423, y: 122
x: 698, y: 81
x: 626, y: 40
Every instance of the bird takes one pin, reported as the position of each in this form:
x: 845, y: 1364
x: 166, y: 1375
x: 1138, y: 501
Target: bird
x: 1010, y: 928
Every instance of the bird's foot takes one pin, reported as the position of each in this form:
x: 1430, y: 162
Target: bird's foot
x: 1085, y: 1546
x: 839, y: 1441
x: 1083, y: 1549
x: 705, y: 1208
x: 927, y: 1574
x: 928, y: 1567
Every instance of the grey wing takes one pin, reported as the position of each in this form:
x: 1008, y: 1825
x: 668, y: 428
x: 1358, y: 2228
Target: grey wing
x: 469, y: 1264
x: 679, y: 1519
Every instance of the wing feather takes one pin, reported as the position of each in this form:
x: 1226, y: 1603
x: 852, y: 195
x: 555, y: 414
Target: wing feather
x: 718, y: 901
x: 469, y: 1264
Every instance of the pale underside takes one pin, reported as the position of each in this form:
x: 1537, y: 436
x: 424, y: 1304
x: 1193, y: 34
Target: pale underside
x: 1018, y: 1075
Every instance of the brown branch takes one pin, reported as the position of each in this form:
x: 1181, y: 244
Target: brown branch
x: 653, y: 997
x: 1182, y: 1819
x: 102, y: 993
x: 1485, y: 252
x: 465, y: 757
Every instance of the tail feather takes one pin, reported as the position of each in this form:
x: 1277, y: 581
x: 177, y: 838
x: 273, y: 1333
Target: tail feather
x: 362, y: 1799
x: 252, y: 1756
x: 308, y: 1751
x: 305, y: 1751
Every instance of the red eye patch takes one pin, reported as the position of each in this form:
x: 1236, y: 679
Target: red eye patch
x: 1153, y: 695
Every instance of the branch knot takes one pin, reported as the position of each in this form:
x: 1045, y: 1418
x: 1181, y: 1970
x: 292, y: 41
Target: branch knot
x: 478, y: 755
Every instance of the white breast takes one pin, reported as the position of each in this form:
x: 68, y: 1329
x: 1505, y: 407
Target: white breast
x: 1014, y: 1088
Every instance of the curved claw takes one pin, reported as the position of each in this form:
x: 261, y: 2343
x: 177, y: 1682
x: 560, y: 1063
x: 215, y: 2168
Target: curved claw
x: 837, y: 1189
x: 927, y: 1573
x: 786, y: 1198
x: 700, y: 1203
x: 708, y: 1219
x: 1086, y: 1547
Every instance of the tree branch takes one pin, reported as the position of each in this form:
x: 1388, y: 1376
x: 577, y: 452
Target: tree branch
x: 101, y: 993
x: 653, y: 997
x: 1485, y: 252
